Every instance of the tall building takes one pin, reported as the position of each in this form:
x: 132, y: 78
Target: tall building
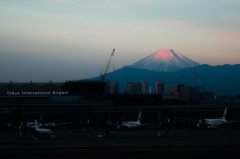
x: 171, y: 91
x: 160, y: 88
x: 189, y: 94
x: 144, y: 87
x: 113, y: 87
x: 136, y: 87
x: 179, y: 86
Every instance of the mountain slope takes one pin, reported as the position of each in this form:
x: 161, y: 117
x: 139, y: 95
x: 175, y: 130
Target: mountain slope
x: 223, y: 80
x: 169, y: 65
x: 164, y: 60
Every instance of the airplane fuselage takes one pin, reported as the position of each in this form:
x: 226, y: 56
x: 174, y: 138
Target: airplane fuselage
x: 44, y: 131
x: 212, y: 123
x: 131, y: 124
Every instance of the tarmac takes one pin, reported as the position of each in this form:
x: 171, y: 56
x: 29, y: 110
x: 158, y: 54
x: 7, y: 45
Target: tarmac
x: 187, y: 143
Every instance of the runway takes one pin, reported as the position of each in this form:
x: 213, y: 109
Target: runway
x: 126, y: 143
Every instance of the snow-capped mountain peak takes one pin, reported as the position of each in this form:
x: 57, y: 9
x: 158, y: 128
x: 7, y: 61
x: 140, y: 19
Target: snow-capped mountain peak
x: 164, y: 60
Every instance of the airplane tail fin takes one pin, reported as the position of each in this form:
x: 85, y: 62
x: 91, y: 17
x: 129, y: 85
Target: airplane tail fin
x: 224, y: 114
x: 139, y: 117
x: 41, y: 120
x: 36, y: 124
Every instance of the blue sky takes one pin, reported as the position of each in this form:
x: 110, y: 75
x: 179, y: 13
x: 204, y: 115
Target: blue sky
x: 58, y: 40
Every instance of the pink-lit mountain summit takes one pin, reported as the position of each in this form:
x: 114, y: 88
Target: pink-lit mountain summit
x: 164, y: 60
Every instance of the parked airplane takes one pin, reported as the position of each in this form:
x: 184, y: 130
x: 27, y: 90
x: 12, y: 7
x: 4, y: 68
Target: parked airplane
x: 131, y: 124
x: 45, y: 125
x: 36, y: 130
x: 31, y: 124
x: 43, y: 131
x: 213, y: 123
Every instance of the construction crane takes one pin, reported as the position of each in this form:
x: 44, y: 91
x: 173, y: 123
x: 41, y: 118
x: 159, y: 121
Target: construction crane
x: 180, y: 79
x: 103, y: 76
x: 204, y: 90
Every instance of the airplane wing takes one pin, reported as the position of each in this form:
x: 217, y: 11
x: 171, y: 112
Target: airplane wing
x: 53, y: 125
x: 67, y: 123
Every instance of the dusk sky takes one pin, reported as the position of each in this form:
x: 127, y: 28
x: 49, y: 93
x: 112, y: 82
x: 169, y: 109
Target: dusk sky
x: 58, y: 40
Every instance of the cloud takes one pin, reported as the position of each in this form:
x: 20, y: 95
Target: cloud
x: 92, y: 4
x: 233, y: 36
x: 113, y: 4
x: 81, y: 3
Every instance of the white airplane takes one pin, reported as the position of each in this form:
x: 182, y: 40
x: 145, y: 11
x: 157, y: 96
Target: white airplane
x: 31, y: 124
x: 214, y: 123
x: 131, y: 124
x: 43, y: 131
x: 45, y: 125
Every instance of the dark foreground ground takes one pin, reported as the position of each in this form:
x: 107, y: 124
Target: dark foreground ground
x: 196, y: 152
x: 71, y: 144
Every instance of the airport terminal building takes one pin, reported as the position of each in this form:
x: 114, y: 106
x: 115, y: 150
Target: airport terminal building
x: 87, y: 104
x: 64, y: 101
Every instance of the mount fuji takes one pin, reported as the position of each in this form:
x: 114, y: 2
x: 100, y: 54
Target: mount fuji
x: 169, y: 66
x: 164, y: 60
